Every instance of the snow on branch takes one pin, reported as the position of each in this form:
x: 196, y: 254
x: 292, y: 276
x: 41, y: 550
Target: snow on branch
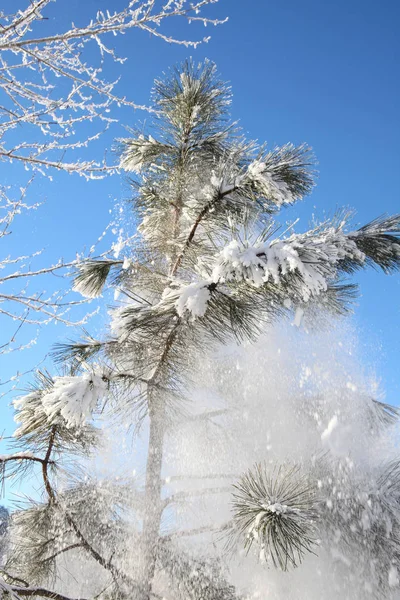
x: 313, y: 257
x: 273, y: 179
x: 48, y: 83
x: 138, y: 152
x: 283, y: 175
x: 69, y: 400
x: 304, y: 265
x: 74, y: 398
x: 276, y: 512
x: 302, y: 269
x: 192, y: 297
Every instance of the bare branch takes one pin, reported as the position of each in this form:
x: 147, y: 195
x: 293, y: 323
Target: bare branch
x: 16, y: 592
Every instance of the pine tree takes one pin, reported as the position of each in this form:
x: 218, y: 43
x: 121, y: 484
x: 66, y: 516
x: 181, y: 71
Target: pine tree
x: 208, y: 268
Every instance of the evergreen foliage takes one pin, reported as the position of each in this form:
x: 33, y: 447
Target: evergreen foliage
x: 208, y: 267
x: 277, y: 512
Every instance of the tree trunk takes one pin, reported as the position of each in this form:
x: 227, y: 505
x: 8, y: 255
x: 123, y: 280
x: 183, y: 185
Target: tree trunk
x: 153, y: 505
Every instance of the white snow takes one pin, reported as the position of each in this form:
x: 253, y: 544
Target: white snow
x: 277, y: 508
x: 134, y: 158
x: 192, y: 298
x: 189, y: 298
x: 314, y: 259
x: 273, y: 188
x: 331, y: 426
x: 272, y: 507
x: 118, y: 245
x: 195, y: 113
x: 74, y: 398
x: 351, y: 386
x: 119, y: 319
x: 393, y: 577
x: 262, y: 263
x: 81, y: 288
x: 216, y: 182
x: 70, y: 401
x: 298, y: 316
x: 127, y: 263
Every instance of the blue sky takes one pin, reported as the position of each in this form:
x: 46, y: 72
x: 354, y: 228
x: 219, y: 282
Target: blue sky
x: 318, y: 72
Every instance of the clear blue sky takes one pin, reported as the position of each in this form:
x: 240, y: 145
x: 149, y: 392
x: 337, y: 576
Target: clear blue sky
x: 325, y: 73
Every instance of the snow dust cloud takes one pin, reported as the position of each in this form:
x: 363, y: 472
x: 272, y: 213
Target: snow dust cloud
x: 291, y: 398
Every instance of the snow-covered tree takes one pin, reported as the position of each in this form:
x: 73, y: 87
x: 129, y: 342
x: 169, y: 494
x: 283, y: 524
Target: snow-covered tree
x: 209, y: 269
x: 57, y: 97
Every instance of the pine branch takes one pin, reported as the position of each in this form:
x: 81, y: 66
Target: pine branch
x: 33, y: 539
x: 379, y: 241
x: 77, y: 353
x: 194, y: 578
x: 137, y: 155
x: 45, y: 406
x: 63, y: 551
x: 19, y: 457
x: 45, y: 464
x: 277, y: 512
x: 279, y: 177
x: 92, y: 275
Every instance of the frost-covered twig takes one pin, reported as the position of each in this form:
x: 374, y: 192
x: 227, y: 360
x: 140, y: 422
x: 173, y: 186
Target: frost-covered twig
x: 32, y: 65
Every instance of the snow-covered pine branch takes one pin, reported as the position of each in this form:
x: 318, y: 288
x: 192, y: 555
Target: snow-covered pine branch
x: 276, y: 512
x: 197, y: 276
x: 302, y: 266
x: 67, y: 401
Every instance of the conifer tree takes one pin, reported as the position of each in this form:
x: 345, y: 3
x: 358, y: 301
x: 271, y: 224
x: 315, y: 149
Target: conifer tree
x: 209, y: 267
